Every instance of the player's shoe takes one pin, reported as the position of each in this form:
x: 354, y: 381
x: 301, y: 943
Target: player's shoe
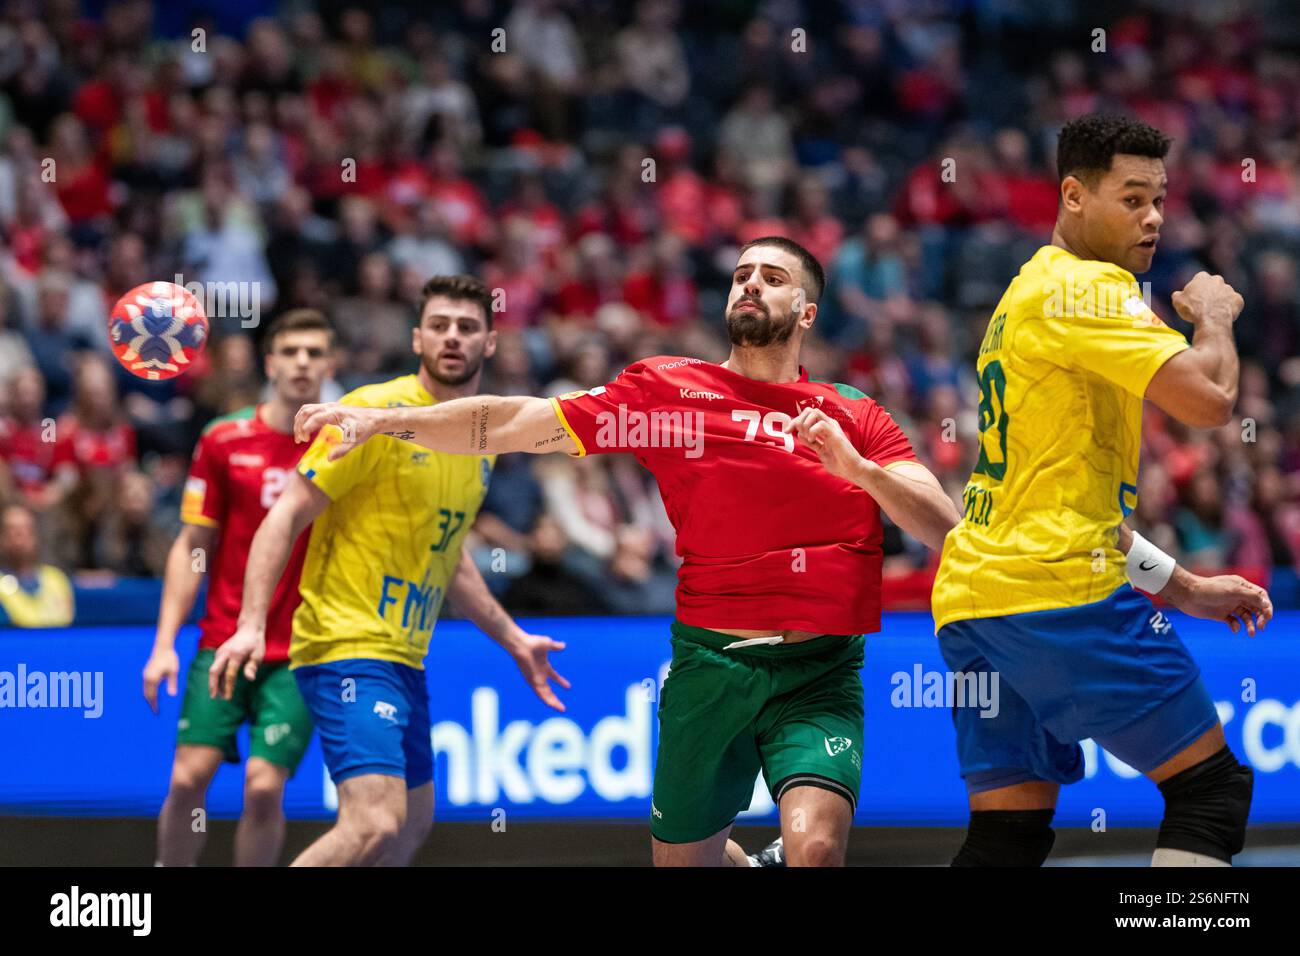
x: 771, y: 855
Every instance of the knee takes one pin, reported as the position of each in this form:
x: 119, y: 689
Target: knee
x: 375, y: 831
x: 188, y: 783
x: 1007, y: 838
x: 262, y: 799
x: 1207, y: 807
x: 816, y: 849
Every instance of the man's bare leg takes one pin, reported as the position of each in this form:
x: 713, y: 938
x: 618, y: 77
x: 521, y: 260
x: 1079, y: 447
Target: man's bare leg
x: 260, y: 834
x: 1030, y: 795
x: 711, y: 851
x: 734, y: 855
x: 1203, y: 747
x: 372, y: 811
x: 815, y: 825
x: 179, y: 841
x: 419, y: 821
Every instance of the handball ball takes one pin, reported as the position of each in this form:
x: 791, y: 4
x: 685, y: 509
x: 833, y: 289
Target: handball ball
x: 157, y: 330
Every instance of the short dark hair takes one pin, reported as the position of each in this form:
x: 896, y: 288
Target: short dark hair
x: 1086, y: 146
x: 812, y: 269
x: 460, y: 287
x: 297, y: 320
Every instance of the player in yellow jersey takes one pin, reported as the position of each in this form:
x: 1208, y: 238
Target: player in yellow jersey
x: 1032, y: 583
x: 388, y: 525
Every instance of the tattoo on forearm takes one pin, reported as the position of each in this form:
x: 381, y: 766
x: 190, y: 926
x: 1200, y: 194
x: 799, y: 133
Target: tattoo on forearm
x: 482, y: 427
x: 559, y: 436
x: 403, y: 435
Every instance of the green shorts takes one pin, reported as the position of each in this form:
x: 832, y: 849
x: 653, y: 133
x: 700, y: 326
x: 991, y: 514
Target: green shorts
x: 794, y: 712
x: 280, y: 725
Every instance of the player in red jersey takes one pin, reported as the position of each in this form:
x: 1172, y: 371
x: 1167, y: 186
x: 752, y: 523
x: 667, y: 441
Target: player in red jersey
x: 241, y: 465
x: 774, y: 484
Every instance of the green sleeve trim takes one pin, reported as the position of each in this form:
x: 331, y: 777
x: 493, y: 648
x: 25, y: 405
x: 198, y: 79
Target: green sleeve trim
x: 242, y: 414
x: 848, y: 391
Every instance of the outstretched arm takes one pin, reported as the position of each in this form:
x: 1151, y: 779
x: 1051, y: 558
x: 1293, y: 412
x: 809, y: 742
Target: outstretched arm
x: 469, y: 592
x: 1222, y: 597
x: 479, y: 425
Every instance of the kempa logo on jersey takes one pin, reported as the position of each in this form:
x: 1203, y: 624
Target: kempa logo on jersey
x: 631, y: 428
x: 700, y: 393
x: 243, y: 460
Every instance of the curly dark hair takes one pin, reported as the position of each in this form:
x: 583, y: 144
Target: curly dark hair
x: 1087, y: 145
x: 459, y: 287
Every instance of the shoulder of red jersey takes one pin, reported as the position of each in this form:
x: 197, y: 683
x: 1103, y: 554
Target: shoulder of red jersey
x: 235, y: 423
x: 831, y: 397
x: 661, y: 365
x: 666, y: 363
x: 230, y: 428
x: 641, y: 371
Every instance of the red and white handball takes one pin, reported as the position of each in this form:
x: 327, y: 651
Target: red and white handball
x: 157, y: 330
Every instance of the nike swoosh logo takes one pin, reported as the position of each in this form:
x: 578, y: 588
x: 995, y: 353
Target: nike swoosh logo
x: 1145, y: 568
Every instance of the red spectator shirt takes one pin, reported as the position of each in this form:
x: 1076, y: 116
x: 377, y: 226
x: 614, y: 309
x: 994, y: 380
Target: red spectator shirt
x: 92, y: 448
x: 240, y: 467
x: 32, y: 461
x: 769, y: 539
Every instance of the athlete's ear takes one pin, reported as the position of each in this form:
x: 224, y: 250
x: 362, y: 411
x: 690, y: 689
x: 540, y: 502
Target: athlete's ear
x: 1072, y: 190
x: 416, y: 345
x: 490, y: 346
x: 809, y: 316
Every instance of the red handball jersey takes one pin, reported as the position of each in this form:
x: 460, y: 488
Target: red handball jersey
x: 240, y: 467
x: 769, y: 539
x: 35, y: 453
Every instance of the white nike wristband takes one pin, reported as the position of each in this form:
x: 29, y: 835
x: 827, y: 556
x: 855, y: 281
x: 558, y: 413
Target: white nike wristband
x: 1149, y: 569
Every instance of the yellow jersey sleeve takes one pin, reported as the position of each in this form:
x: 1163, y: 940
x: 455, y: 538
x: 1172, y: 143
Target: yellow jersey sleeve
x: 1106, y: 328
x: 336, y: 478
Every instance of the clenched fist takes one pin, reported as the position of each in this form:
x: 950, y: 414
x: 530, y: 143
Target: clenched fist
x: 1208, y: 298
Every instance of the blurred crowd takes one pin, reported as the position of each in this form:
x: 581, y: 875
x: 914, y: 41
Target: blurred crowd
x: 599, y: 164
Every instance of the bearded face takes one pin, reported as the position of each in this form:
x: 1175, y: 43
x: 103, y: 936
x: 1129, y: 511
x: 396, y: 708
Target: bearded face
x: 766, y: 300
x: 750, y: 323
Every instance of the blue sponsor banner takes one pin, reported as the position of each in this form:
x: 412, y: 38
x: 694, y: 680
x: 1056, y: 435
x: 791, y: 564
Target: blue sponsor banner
x: 103, y: 752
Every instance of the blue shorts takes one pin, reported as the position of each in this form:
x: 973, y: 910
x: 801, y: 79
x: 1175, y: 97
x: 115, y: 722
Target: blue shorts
x: 378, y: 724
x: 1114, y: 671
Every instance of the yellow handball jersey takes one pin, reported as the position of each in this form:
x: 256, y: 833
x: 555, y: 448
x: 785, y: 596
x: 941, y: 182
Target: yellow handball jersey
x: 1062, y: 371
x: 383, y: 550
